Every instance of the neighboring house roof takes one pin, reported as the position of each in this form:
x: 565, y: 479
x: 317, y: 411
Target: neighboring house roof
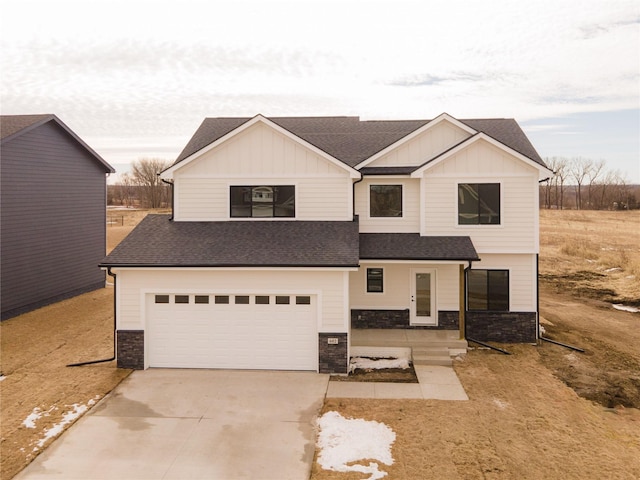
x: 352, y: 140
x: 158, y: 242
x: 411, y: 246
x: 13, y: 126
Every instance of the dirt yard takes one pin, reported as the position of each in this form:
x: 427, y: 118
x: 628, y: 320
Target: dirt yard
x: 544, y: 412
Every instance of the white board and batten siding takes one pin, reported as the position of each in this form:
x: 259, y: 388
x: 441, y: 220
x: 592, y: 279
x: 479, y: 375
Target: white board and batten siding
x: 409, y: 222
x: 434, y: 140
x: 484, y: 163
x: 257, y: 156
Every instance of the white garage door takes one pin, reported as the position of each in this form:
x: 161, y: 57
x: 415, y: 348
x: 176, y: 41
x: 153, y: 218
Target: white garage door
x: 275, y: 332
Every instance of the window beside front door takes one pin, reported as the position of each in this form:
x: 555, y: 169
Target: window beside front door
x: 385, y: 200
x: 258, y: 201
x: 375, y: 280
x: 478, y: 204
x: 488, y: 290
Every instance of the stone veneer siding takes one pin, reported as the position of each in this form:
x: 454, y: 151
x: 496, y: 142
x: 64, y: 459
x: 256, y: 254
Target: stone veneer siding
x: 447, y: 320
x: 503, y: 327
x: 333, y: 358
x: 130, y: 350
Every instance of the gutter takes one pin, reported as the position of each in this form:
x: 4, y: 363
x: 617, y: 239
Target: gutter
x: 91, y: 362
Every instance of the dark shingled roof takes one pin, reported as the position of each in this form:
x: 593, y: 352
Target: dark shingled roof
x: 11, y: 124
x: 159, y: 242
x: 411, y: 246
x: 352, y: 140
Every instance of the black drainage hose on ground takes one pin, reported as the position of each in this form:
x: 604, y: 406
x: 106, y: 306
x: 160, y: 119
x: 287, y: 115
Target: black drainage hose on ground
x: 562, y: 344
x: 488, y: 346
x: 104, y: 360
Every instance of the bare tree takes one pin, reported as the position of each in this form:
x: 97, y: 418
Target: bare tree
x: 595, y: 170
x: 578, y: 170
x: 554, y: 194
x: 145, y: 174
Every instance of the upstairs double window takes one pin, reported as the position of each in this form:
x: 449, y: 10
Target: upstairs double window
x: 261, y: 201
x: 478, y: 204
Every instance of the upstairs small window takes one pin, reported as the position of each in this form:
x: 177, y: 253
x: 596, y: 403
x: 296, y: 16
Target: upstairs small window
x: 385, y: 200
x: 375, y: 283
x: 259, y: 201
x: 479, y: 204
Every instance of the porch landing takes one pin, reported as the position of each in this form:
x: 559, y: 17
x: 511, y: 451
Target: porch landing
x: 428, y: 347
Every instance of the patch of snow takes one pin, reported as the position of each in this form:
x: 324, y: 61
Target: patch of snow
x: 625, y: 308
x: 70, y: 416
x: 500, y: 404
x: 377, y: 363
x: 343, y: 441
x: 613, y: 269
x: 2, y: 377
x: 542, y: 330
x: 30, y: 421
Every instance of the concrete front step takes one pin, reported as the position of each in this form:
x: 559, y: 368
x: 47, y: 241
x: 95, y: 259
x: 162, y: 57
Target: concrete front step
x: 431, y: 356
x: 444, y: 360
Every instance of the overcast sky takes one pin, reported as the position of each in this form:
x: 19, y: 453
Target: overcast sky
x: 135, y: 78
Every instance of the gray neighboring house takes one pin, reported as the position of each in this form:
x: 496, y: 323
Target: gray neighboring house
x: 53, y: 213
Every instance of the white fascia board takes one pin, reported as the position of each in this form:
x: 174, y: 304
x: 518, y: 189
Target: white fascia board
x: 440, y: 118
x: 543, y: 171
x: 168, y: 174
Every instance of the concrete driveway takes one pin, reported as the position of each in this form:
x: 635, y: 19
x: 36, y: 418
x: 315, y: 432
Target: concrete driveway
x: 195, y: 424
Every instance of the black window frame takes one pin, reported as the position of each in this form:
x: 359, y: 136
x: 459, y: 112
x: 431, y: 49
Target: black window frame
x: 396, y: 212
x: 488, y: 203
x: 375, y: 279
x: 250, y: 204
x: 181, y: 299
x: 494, y: 290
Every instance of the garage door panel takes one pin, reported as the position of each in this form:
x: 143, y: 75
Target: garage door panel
x: 230, y: 335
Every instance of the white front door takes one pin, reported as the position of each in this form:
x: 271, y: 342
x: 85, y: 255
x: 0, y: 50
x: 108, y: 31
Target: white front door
x: 423, y: 296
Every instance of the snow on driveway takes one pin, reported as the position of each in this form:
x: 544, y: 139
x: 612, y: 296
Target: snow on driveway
x: 342, y: 441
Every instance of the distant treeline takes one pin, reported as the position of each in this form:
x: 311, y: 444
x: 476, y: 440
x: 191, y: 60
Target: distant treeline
x: 585, y: 184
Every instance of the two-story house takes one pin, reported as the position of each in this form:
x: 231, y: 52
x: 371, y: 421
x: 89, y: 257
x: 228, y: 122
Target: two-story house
x: 287, y: 233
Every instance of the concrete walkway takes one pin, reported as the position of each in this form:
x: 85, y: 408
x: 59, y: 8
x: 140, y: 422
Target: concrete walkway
x: 435, y: 382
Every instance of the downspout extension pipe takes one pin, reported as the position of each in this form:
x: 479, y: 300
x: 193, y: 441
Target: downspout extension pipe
x: 172, y: 196
x: 91, y: 362
x: 353, y: 195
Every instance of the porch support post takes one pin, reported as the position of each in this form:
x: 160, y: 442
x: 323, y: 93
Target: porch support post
x: 461, y: 315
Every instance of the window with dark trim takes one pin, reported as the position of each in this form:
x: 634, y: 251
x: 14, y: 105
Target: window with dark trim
x: 162, y: 298
x: 221, y: 299
x: 303, y: 300
x: 478, y: 204
x: 182, y: 299
x: 202, y: 299
x: 385, y: 200
x: 375, y: 277
x: 256, y: 201
x: 282, y: 300
x: 262, y: 299
x: 488, y: 290
x: 242, y: 299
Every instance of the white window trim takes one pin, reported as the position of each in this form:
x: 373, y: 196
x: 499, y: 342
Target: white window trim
x: 250, y: 183
x: 478, y: 226
x: 366, y: 280
x: 392, y: 219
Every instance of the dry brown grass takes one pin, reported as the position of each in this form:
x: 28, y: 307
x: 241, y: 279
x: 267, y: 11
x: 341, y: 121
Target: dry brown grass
x: 592, y: 253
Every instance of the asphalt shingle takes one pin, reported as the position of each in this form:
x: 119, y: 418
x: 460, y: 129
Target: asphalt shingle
x: 411, y: 246
x: 158, y: 241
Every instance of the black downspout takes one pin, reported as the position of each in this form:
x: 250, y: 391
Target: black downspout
x: 114, y: 328
x: 353, y: 195
x: 172, y: 196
